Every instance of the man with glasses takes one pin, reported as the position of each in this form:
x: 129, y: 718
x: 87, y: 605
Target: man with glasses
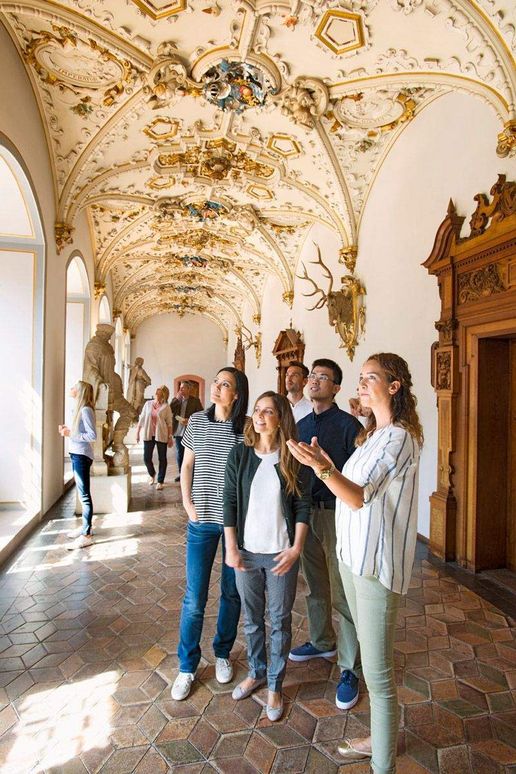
x: 335, y: 431
x: 296, y: 378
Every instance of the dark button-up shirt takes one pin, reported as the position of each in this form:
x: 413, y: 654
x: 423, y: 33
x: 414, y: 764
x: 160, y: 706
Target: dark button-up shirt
x: 335, y: 431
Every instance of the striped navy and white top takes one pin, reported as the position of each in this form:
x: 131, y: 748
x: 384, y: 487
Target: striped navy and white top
x: 211, y: 443
x: 380, y: 537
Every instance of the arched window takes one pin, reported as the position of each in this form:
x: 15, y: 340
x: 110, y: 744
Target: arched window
x: 77, y: 333
x: 104, y: 310
x: 119, y: 348
x: 21, y: 338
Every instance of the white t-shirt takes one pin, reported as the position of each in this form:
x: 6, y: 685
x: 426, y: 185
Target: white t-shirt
x: 265, y: 530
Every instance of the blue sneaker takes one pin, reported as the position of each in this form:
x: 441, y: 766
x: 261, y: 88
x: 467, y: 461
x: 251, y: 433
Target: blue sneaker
x: 307, y: 651
x: 347, y: 690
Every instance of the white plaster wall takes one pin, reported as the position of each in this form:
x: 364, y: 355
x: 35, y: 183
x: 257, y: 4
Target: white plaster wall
x: 21, y: 125
x: 172, y: 346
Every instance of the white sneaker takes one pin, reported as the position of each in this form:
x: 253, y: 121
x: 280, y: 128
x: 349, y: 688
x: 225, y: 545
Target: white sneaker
x: 75, y: 533
x: 182, y: 685
x: 151, y: 480
x: 159, y: 486
x: 223, y: 670
x: 83, y: 541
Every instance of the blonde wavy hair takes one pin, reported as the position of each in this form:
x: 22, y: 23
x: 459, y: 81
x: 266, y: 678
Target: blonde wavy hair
x: 286, y: 431
x: 403, y: 402
x: 165, y: 392
x: 84, y: 398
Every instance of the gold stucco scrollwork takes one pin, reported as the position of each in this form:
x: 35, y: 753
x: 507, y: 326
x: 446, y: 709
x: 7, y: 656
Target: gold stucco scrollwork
x: 348, y: 256
x: 507, y: 140
x: 63, y: 234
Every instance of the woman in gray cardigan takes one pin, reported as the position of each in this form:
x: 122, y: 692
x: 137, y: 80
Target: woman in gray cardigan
x: 266, y: 516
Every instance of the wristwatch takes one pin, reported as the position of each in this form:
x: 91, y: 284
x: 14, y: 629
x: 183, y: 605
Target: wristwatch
x: 325, y: 473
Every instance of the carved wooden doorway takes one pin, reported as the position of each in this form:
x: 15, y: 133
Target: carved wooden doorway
x: 289, y: 346
x: 473, y: 510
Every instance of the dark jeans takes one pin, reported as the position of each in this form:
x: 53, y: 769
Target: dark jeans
x: 202, y: 541
x: 180, y: 451
x: 81, y: 465
x: 148, y: 450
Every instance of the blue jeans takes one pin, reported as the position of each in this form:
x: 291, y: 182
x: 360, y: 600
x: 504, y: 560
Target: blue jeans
x: 81, y: 465
x: 202, y: 541
x: 253, y: 585
x: 180, y: 451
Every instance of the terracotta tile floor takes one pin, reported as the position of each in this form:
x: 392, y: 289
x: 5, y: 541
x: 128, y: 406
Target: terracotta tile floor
x: 87, y: 656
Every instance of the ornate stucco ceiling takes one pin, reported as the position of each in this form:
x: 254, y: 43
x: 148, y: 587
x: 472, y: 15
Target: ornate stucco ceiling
x: 204, y: 139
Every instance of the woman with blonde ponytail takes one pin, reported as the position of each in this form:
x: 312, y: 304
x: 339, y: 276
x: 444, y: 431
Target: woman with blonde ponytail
x: 266, y: 517
x: 81, y: 435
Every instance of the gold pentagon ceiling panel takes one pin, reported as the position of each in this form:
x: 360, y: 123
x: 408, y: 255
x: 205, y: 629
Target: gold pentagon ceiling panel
x: 341, y: 31
x: 160, y: 9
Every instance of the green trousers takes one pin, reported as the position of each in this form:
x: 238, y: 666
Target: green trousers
x: 321, y: 570
x: 374, y: 609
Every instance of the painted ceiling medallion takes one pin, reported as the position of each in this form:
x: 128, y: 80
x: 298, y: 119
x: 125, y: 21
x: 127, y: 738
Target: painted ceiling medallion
x: 236, y: 86
x: 160, y: 9
x: 193, y: 261
x: 207, y: 210
x: 341, y: 31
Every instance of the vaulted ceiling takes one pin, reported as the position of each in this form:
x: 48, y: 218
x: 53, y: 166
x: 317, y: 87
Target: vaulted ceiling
x: 204, y: 139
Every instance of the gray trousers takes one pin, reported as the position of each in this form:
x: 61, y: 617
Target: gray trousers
x: 252, y: 586
x: 326, y: 593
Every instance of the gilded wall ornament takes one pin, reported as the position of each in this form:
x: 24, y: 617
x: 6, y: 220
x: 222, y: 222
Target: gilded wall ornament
x: 99, y: 289
x: 346, y: 310
x: 288, y: 298
x: 237, y: 86
x: 63, y: 234
x: 507, y: 140
x: 480, y: 283
x: 348, y: 256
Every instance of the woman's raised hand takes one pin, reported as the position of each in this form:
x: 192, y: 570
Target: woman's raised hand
x: 310, y: 454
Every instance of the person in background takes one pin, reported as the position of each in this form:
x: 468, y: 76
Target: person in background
x: 210, y: 435
x: 336, y: 430
x: 155, y: 424
x: 376, y: 524
x: 296, y: 378
x: 266, y: 517
x: 81, y: 436
x: 183, y: 406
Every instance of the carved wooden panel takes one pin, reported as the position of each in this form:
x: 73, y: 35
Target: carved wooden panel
x: 289, y: 345
x: 477, y: 285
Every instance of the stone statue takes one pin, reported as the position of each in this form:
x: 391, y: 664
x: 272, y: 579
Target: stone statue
x: 139, y: 380
x: 99, y: 371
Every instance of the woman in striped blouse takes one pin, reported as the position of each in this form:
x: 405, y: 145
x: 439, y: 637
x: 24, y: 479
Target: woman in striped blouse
x: 376, y: 524
x: 209, y: 437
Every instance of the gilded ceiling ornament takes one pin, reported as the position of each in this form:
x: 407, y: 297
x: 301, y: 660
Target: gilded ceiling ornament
x: 160, y: 9
x: 374, y: 110
x: 348, y: 256
x: 159, y: 182
x: 99, y: 290
x: 346, y: 309
x: 216, y: 161
x: 305, y: 101
x: 63, y: 235
x: 341, y: 31
x: 288, y: 298
x: 237, y: 86
x: 507, y: 140
x: 167, y: 80
x: 67, y: 61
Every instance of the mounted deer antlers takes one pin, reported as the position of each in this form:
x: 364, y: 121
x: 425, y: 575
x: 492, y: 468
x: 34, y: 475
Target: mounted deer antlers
x: 324, y: 296
x: 346, y: 311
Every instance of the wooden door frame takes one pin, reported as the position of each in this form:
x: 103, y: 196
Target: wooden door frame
x: 477, y: 287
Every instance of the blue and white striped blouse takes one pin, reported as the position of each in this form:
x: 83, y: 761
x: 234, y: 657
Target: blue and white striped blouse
x: 380, y: 537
